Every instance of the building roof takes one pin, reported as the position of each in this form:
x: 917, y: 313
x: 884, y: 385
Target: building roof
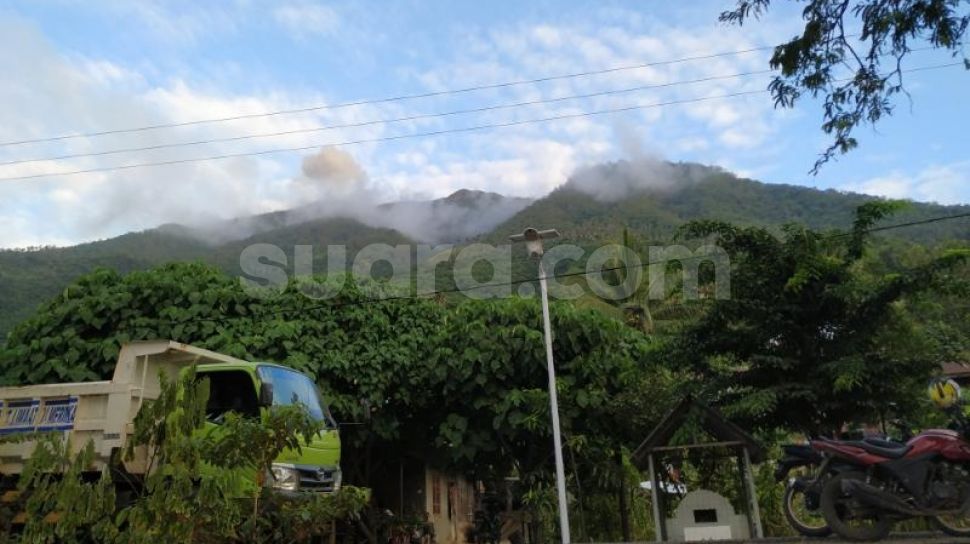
x: 711, y: 420
x: 956, y: 370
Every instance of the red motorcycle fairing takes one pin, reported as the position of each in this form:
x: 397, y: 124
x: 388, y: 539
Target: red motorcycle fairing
x: 948, y: 444
x: 846, y: 450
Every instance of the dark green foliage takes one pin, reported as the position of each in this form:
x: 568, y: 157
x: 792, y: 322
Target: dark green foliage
x: 939, y: 314
x: 27, y: 278
x: 815, y: 61
x: 77, y: 335
x: 469, y: 380
x: 465, y: 385
x: 702, y: 192
x: 809, y: 340
x: 194, y: 491
x: 57, y: 488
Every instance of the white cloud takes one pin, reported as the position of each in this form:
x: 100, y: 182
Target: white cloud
x: 307, y: 19
x: 181, y: 22
x: 48, y: 93
x: 688, y: 144
x: 525, y: 51
x: 109, y: 74
x: 941, y: 183
x: 528, y: 167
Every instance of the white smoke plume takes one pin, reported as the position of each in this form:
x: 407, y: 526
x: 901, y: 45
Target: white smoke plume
x: 332, y: 184
x: 332, y: 165
x: 613, y: 181
x: 642, y: 170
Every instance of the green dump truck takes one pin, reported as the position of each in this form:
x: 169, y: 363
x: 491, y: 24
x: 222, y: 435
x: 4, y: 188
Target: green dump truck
x: 103, y: 412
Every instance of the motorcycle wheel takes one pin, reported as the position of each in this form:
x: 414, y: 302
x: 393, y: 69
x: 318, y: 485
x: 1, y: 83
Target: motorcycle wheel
x: 953, y: 525
x: 840, y: 511
x: 801, y: 516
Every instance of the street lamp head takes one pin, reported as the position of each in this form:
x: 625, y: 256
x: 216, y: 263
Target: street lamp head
x: 533, y: 239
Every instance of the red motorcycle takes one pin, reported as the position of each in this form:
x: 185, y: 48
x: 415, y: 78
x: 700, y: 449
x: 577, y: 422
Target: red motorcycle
x: 882, y: 482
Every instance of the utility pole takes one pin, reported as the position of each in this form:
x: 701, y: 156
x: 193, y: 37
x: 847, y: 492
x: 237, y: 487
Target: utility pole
x: 533, y: 243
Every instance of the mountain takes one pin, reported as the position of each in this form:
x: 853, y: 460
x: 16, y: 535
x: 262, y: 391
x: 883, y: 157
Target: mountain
x: 455, y: 218
x: 29, y: 277
x: 595, y: 205
x: 654, y: 208
x: 462, y: 215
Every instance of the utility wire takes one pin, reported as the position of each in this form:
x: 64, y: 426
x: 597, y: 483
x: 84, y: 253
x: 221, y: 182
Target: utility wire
x: 414, y: 117
x: 397, y: 120
x: 909, y: 224
x: 473, y: 128
x: 398, y: 98
x: 547, y: 276
x: 415, y: 135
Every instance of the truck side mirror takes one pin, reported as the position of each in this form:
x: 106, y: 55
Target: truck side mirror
x: 265, y: 394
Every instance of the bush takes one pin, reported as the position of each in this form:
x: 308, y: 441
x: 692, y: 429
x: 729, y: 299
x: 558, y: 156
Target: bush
x: 199, y: 489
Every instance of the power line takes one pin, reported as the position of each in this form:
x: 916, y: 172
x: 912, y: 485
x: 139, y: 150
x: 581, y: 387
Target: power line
x: 548, y: 276
x: 704, y: 257
x: 911, y: 223
x: 398, y: 98
x: 415, y: 117
x: 415, y: 135
x: 379, y: 139
x: 394, y: 120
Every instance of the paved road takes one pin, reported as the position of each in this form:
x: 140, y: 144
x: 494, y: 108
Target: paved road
x: 903, y: 538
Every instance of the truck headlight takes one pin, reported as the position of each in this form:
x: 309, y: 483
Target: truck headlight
x: 284, y: 477
x: 338, y: 479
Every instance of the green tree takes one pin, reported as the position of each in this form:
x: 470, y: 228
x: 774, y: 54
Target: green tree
x: 813, y: 61
x: 61, y: 504
x: 463, y: 384
x: 194, y: 491
x: 808, y: 341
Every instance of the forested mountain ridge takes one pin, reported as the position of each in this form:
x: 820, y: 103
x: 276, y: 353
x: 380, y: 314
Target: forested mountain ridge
x: 656, y: 210
x: 594, y: 206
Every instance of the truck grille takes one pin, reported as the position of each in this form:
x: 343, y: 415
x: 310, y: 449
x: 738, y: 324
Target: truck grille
x: 319, y: 479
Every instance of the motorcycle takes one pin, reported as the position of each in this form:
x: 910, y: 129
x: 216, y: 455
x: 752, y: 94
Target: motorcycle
x: 883, y: 482
x: 804, y: 469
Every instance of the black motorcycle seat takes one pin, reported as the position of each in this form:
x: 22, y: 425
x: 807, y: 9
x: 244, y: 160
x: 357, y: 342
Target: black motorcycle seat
x: 882, y: 442
x: 803, y: 451
x: 882, y: 448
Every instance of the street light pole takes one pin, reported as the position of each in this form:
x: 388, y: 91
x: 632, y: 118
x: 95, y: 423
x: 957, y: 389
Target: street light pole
x: 533, y: 239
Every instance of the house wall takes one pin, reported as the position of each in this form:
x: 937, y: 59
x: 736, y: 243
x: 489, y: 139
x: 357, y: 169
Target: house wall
x: 398, y: 485
x: 450, y: 503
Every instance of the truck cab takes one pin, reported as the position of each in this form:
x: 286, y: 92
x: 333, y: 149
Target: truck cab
x: 245, y: 387
x: 103, y: 412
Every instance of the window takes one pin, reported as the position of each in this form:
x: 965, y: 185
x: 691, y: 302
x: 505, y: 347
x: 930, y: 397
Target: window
x: 291, y: 387
x: 230, y: 391
x: 452, y: 498
x: 705, y: 516
x: 435, y: 494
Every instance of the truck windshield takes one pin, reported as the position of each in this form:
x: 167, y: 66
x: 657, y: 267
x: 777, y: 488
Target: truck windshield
x: 291, y: 387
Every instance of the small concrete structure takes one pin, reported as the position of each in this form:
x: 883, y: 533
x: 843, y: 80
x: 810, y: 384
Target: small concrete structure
x: 705, y: 515
x: 701, y: 514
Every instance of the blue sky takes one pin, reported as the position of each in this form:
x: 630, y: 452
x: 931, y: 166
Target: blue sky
x: 74, y: 66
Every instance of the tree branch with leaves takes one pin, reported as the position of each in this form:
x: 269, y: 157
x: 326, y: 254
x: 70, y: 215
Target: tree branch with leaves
x: 858, y: 72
